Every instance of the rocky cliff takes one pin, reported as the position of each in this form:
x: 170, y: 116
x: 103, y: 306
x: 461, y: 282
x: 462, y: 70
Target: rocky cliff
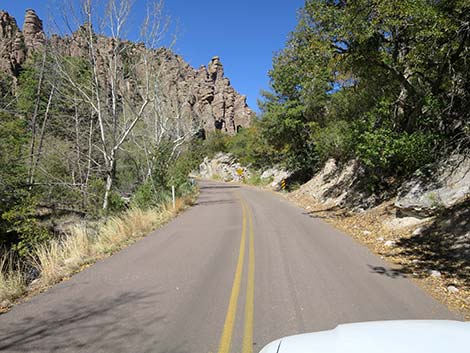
x: 203, y: 93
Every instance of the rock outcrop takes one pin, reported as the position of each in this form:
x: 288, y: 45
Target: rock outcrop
x: 202, y: 94
x: 275, y: 176
x: 12, y: 53
x: 205, y: 93
x: 16, y: 45
x: 223, y: 166
x: 431, y: 189
x: 337, y: 185
x: 444, y: 187
x: 33, y: 33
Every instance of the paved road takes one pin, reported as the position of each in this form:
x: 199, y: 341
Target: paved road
x: 239, y: 269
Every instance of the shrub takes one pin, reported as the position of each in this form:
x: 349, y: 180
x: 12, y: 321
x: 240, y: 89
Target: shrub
x: 24, y: 230
x: 333, y: 141
x: 147, y: 196
x: 115, y: 202
x: 216, y: 141
x: 385, y: 152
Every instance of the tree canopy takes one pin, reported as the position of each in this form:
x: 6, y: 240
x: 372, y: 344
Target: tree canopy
x: 383, y: 81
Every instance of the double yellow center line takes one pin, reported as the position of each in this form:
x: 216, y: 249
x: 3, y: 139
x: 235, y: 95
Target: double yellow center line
x: 227, y: 333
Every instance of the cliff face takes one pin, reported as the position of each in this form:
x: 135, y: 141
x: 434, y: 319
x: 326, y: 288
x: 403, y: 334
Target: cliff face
x: 204, y: 93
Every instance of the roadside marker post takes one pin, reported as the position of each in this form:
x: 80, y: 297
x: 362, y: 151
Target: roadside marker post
x: 173, y: 196
x: 283, y: 184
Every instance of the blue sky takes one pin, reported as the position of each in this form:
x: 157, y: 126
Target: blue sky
x: 244, y: 33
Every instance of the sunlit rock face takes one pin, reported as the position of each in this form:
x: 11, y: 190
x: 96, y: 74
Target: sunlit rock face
x: 33, y: 33
x: 203, y: 95
x: 206, y: 93
x: 12, y: 47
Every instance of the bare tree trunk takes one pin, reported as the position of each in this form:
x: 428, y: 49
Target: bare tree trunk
x: 33, y: 122
x: 41, y: 136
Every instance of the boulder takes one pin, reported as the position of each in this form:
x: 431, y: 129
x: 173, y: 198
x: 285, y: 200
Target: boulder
x: 334, y: 184
x: 224, y: 167
x: 436, y: 187
x: 276, y: 176
x: 405, y: 222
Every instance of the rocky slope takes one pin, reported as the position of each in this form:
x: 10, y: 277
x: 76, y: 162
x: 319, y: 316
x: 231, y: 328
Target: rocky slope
x: 204, y: 93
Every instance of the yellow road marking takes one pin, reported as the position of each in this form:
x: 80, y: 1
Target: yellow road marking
x: 247, y: 345
x: 226, y: 338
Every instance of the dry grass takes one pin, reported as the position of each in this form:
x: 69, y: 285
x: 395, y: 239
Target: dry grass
x: 60, y: 258
x: 12, y: 280
x: 122, y: 230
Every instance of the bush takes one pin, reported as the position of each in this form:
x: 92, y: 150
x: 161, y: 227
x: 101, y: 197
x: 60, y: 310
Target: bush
x: 255, y: 179
x: 216, y: 141
x: 251, y: 148
x: 25, y: 231
x: 386, y: 152
x: 115, y: 202
x: 333, y: 141
x: 148, y: 195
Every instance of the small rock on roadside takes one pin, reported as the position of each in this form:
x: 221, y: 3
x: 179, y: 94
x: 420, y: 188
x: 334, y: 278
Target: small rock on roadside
x: 417, y: 231
x: 5, y: 303
x: 33, y: 283
x: 434, y: 273
x: 366, y: 232
x: 380, y: 239
x: 69, y: 261
x: 452, y: 289
x: 389, y: 243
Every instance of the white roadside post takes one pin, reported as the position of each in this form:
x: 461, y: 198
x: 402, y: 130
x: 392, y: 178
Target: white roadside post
x: 173, y: 196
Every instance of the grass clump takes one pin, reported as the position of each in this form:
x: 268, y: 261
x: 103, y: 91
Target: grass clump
x: 12, y: 279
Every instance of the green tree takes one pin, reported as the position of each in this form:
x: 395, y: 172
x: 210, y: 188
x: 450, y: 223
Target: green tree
x: 19, y: 227
x: 354, y: 75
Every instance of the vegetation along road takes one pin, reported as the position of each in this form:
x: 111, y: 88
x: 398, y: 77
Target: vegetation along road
x: 239, y: 269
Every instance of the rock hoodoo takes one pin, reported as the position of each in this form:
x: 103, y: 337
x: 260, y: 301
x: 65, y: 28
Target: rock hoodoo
x: 32, y: 30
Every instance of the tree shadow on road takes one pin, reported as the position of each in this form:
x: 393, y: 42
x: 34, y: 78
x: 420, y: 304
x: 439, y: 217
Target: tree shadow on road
x: 388, y: 272
x: 109, y: 324
x: 213, y: 202
x: 215, y: 187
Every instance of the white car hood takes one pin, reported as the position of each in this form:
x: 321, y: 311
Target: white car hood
x: 433, y: 336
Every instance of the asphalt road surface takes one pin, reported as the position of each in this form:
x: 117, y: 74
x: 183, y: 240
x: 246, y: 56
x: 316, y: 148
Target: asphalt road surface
x: 239, y: 269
